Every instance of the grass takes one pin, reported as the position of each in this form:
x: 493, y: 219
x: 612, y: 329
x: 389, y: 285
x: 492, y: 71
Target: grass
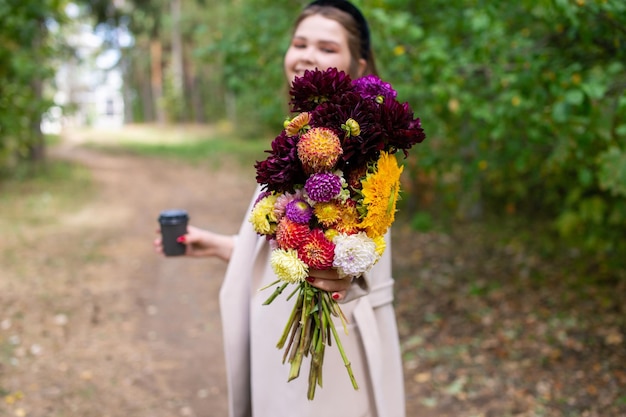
x: 194, y: 144
x: 38, y: 196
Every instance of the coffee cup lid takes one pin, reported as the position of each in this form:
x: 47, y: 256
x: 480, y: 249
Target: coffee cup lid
x: 173, y: 216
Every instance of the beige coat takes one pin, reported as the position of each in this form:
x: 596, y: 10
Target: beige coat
x: 257, y: 379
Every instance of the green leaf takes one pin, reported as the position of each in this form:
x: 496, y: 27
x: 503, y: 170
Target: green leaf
x: 612, y: 171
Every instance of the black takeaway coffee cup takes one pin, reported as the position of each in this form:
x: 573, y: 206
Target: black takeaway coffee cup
x: 173, y: 224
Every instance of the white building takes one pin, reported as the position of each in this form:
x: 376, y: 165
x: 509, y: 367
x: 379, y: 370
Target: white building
x: 88, y: 87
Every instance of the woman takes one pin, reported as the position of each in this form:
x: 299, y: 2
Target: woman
x: 327, y: 34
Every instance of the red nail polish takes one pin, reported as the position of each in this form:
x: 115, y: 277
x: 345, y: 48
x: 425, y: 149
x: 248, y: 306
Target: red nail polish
x: 310, y: 279
x: 336, y: 296
x: 181, y: 239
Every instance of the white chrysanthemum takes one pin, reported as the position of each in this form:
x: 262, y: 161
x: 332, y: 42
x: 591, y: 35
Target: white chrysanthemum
x: 287, y: 266
x: 354, y: 254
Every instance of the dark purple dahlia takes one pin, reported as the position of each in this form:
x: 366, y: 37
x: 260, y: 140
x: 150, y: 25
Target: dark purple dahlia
x: 400, y: 129
x: 357, y: 149
x: 282, y: 169
x: 316, y: 87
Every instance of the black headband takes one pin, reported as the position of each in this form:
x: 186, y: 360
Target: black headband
x: 346, y: 6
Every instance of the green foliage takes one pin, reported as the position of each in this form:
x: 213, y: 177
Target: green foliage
x: 250, y: 53
x: 523, y: 104
x: 25, y: 52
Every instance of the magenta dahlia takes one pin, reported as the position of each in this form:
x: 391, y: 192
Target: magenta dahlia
x: 372, y: 87
x: 323, y: 186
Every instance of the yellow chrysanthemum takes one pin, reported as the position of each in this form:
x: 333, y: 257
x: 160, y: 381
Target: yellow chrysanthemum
x: 328, y: 213
x: 263, y: 217
x: 349, y: 223
x: 381, y: 190
x: 298, y: 124
x: 287, y: 266
x: 381, y: 244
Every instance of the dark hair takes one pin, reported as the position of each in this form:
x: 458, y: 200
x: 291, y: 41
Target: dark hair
x: 352, y: 10
x: 348, y: 16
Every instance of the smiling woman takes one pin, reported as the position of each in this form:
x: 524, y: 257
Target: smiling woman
x: 328, y: 35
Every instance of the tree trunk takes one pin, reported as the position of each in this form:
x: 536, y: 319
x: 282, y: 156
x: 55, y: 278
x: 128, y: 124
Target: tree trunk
x: 36, y: 143
x: 177, y: 61
x: 193, y: 90
x: 156, y: 52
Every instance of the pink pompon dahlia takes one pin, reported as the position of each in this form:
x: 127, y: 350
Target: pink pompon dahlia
x: 298, y: 211
x: 317, y: 251
x: 319, y: 150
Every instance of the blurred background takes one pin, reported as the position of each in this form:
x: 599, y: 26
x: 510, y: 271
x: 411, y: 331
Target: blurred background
x: 510, y: 246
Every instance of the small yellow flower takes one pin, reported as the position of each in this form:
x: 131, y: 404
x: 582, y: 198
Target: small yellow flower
x: 399, y: 50
x: 328, y: 213
x: 453, y: 105
x: 516, y: 101
x: 482, y: 165
x: 330, y: 234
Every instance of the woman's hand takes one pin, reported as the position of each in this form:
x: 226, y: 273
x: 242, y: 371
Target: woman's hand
x: 202, y: 243
x: 329, y: 280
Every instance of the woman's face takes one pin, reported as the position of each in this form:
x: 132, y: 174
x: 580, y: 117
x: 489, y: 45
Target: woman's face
x: 318, y: 42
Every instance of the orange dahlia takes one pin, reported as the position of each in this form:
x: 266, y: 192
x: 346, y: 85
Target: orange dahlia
x: 349, y: 223
x: 319, y: 150
x: 317, y: 251
x: 290, y: 235
x: 298, y: 124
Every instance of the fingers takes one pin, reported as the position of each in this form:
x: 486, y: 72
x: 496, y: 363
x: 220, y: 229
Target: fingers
x: 329, y: 280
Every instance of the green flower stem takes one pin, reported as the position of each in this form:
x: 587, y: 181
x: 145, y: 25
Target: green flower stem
x: 290, y: 323
x: 276, y: 292
x: 295, y: 358
x: 346, y: 362
x: 296, y: 362
x: 309, y: 329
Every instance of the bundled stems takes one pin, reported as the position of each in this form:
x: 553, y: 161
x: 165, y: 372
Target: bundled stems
x: 308, y: 331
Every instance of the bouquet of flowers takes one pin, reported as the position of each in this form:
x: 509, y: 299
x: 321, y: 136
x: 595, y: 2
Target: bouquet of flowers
x: 329, y: 190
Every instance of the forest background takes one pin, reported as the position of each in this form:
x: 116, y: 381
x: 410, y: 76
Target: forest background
x: 511, y: 263
x: 523, y: 102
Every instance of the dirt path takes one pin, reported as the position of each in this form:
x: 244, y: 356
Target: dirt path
x: 94, y: 324
x: 170, y: 304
